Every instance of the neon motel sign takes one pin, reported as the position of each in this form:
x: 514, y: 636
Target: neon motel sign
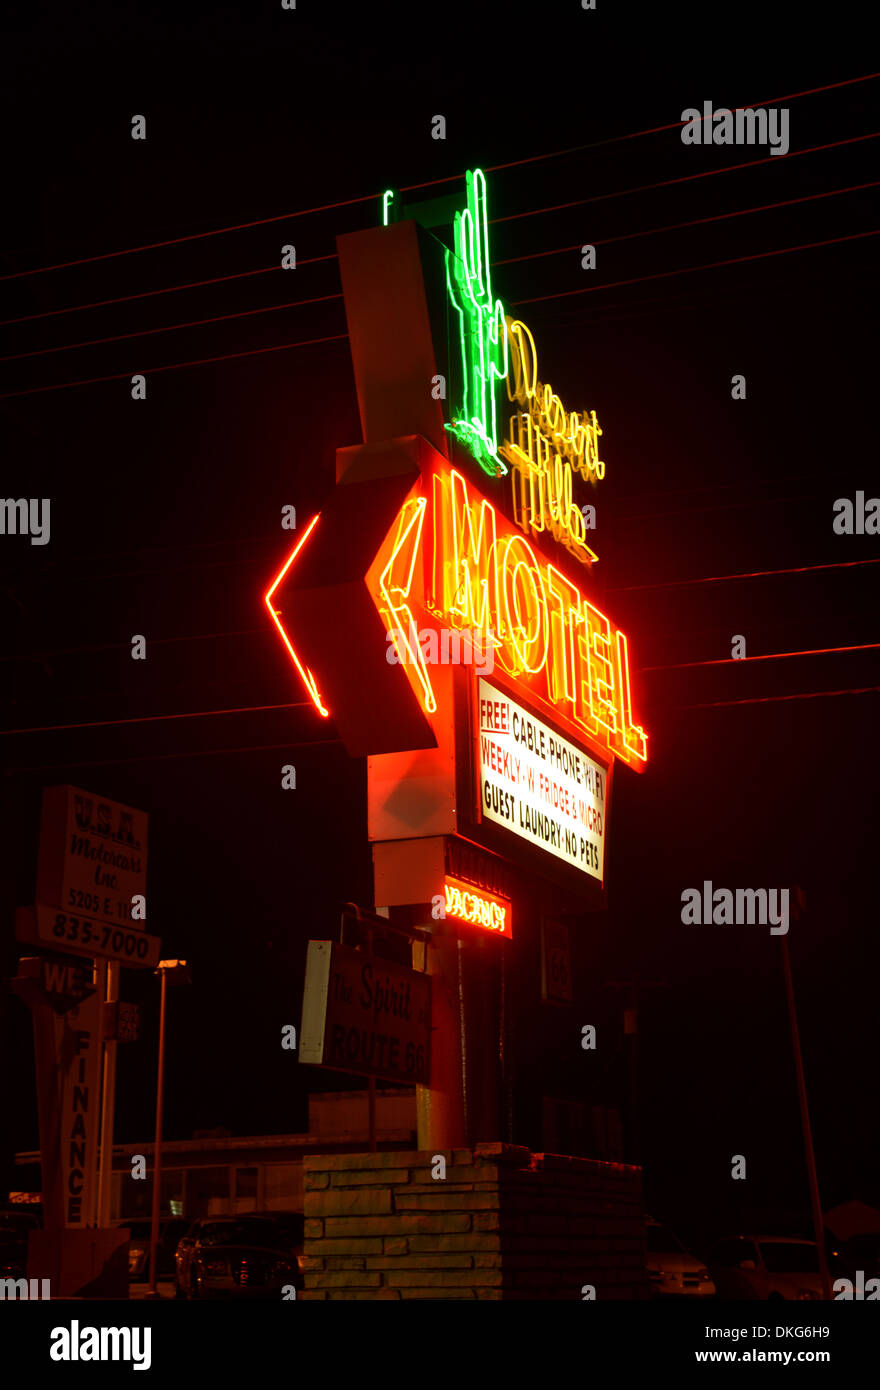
x: 452, y: 557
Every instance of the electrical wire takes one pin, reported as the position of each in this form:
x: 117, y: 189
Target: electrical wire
x: 674, y: 125
x: 680, y: 226
x: 173, y: 366
x: 691, y: 269
x: 167, y: 289
x: 684, y: 178
x: 535, y: 212
x: 769, y: 656
x: 163, y: 757
x: 123, y: 646
x: 773, y: 699
x: 153, y: 718
x: 320, y: 299
x: 563, y: 294
x: 409, y: 188
x: 749, y: 574
x: 171, y: 327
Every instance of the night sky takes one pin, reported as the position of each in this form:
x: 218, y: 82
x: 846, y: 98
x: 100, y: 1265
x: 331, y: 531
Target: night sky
x: 166, y: 519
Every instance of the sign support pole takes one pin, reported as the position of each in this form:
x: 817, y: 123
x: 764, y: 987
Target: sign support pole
x: 371, y: 1083
x: 49, y: 1108
x: 108, y: 1106
x: 440, y: 1106
x: 92, y: 1215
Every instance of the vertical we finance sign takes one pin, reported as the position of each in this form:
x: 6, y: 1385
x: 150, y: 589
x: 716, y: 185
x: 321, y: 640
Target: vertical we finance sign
x: 78, y: 1042
x: 443, y: 609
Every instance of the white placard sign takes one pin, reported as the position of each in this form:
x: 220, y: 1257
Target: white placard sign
x: 538, y: 784
x: 93, y: 855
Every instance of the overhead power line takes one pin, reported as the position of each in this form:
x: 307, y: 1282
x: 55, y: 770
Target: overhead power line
x: 673, y: 125
x: 173, y: 366
x: 535, y: 212
x: 769, y: 656
x: 319, y: 299
x: 95, y: 647
x: 683, y: 178
x: 749, y: 574
x: 153, y: 718
x: 191, y: 236
x: 775, y: 699
x: 171, y: 327
x: 409, y: 188
x: 166, y: 289
x: 681, y: 226
x: 164, y: 757
x: 337, y: 337
x: 691, y: 269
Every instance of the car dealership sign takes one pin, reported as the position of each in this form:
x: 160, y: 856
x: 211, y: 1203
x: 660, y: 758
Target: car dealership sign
x: 93, y: 854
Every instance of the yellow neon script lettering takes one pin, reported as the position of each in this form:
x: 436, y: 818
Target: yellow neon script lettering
x: 545, y: 446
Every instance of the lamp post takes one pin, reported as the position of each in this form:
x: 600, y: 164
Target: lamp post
x: 177, y: 971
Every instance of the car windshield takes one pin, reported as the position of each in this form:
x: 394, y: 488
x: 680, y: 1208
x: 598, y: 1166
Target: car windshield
x: 263, y: 1233
x: 789, y: 1257
x: 17, y: 1221
x: 660, y: 1240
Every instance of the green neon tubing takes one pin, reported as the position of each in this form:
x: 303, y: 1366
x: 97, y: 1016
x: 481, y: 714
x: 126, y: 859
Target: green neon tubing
x: 482, y: 329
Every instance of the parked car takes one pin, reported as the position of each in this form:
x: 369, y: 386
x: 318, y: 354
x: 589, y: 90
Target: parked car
x: 171, y: 1229
x: 768, y: 1267
x: 250, y: 1256
x: 15, y: 1228
x: 13, y: 1253
x: 861, y: 1254
x: 672, y: 1270
x: 21, y: 1220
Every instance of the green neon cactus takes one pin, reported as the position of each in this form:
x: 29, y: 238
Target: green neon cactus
x: 482, y: 329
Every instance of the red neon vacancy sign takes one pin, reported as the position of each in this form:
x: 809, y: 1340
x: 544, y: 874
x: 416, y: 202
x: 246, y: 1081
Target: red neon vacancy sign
x: 466, y: 903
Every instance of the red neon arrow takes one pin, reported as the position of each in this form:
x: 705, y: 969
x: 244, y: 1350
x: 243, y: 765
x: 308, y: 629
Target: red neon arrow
x: 307, y: 677
x: 334, y: 602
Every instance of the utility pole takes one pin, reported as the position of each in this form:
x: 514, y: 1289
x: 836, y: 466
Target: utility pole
x: 108, y: 1104
x: 178, y: 972
x: 809, y: 1154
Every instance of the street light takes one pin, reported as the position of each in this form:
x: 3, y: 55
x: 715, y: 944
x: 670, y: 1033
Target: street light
x: 177, y: 971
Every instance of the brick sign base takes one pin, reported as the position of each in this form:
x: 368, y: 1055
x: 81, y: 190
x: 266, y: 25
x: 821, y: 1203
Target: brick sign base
x: 502, y: 1224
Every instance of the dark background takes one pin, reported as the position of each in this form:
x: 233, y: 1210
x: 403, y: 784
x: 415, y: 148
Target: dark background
x: 165, y: 520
